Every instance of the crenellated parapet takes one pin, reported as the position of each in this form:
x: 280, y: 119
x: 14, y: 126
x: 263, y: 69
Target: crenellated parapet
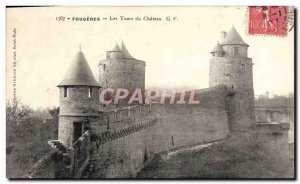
x: 107, y: 137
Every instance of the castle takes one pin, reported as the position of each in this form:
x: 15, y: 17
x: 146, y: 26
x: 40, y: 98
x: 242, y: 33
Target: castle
x: 99, y: 142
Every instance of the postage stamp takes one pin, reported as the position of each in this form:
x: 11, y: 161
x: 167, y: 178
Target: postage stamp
x: 270, y: 20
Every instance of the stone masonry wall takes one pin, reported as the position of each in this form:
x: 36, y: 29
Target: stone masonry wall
x: 184, y: 125
x: 131, y: 136
x: 122, y: 73
x: 76, y: 107
x: 236, y: 73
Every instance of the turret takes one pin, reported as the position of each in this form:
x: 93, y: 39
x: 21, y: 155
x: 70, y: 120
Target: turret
x: 231, y: 66
x: 79, y: 100
x: 223, y: 36
x: 121, y: 70
x: 115, y: 53
x: 217, y: 51
x: 126, y: 54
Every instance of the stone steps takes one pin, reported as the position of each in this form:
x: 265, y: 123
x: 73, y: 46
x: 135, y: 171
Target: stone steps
x: 56, y: 144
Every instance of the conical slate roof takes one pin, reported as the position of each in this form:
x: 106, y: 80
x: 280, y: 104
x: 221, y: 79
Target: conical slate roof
x: 116, y: 48
x: 79, y: 73
x: 233, y: 38
x: 217, y: 48
x: 125, y: 51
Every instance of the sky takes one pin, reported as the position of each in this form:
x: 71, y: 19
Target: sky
x: 176, y: 52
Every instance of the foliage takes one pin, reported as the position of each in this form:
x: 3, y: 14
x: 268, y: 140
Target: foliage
x: 27, y: 136
x: 17, y: 111
x: 275, y: 101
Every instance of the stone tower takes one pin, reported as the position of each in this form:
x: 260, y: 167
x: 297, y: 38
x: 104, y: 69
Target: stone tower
x: 79, y: 100
x: 121, y: 70
x: 231, y: 66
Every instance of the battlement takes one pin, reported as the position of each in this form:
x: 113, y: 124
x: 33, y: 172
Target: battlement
x: 119, y: 119
x: 109, y: 136
x: 118, y: 114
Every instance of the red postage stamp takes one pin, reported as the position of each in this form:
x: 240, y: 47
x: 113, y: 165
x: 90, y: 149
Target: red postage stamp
x: 268, y: 20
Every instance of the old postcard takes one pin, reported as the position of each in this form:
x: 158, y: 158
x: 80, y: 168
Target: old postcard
x: 150, y: 92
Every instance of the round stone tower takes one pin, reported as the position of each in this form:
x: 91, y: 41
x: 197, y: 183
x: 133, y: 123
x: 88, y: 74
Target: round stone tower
x: 79, y: 100
x: 231, y: 66
x: 121, y: 70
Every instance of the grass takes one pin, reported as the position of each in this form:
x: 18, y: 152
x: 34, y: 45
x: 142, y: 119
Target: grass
x: 234, y: 158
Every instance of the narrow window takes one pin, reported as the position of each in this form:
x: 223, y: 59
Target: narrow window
x: 90, y: 92
x: 65, y: 91
x: 243, y: 66
x: 104, y: 66
x: 235, y: 51
x: 172, y: 139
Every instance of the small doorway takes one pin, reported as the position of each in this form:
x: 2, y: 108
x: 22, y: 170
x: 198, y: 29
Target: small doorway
x: 77, y: 130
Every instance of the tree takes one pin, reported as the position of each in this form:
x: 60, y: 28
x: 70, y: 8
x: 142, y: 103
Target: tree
x: 54, y: 112
x: 17, y: 111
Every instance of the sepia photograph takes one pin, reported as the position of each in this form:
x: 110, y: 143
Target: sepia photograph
x: 149, y: 92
